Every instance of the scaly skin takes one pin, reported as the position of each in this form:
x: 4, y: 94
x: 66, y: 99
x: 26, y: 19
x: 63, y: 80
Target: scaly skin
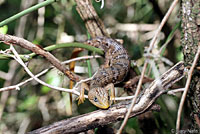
x: 113, y: 71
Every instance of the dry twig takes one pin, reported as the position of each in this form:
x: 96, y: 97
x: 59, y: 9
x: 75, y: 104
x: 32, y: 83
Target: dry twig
x: 116, y: 112
x: 8, y: 39
x: 186, y: 89
x: 20, y: 61
x: 145, y: 64
x: 17, y: 86
x: 92, y: 21
x: 88, y: 121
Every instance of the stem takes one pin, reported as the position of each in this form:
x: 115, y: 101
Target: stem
x: 75, y: 44
x: 89, y: 68
x: 187, y: 85
x: 169, y: 38
x: 57, y: 46
x: 22, y: 13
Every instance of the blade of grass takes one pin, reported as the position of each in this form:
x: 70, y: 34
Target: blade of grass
x: 169, y: 38
x: 89, y: 68
x: 22, y: 13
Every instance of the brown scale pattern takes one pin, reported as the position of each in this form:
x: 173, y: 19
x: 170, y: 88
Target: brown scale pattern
x: 116, y: 64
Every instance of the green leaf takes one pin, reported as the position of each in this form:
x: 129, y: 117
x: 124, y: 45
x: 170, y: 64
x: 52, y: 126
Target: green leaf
x: 28, y: 103
x: 4, y: 29
x: 52, y: 78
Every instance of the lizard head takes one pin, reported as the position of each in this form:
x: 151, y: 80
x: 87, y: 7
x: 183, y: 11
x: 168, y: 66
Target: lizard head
x: 99, y: 97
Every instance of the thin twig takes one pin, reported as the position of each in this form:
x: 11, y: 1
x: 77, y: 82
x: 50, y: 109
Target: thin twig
x: 134, y: 100
x: 17, y: 86
x: 50, y: 86
x: 44, y: 71
x: 116, y: 112
x: 164, y: 20
x: 158, y: 56
x: 186, y: 89
x: 4, y: 96
x: 172, y: 92
x: 5, y: 76
x: 146, y: 63
x: 28, y: 57
x: 19, y: 60
x: 80, y: 58
x: 34, y: 48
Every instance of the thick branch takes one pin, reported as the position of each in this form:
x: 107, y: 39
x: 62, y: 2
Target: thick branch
x: 190, y: 16
x: 117, y: 112
x: 88, y: 14
x: 88, y: 121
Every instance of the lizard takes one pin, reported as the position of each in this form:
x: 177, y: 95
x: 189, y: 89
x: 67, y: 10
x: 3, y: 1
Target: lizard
x: 113, y: 71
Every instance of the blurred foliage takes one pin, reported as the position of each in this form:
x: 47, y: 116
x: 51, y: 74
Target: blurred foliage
x: 37, y: 105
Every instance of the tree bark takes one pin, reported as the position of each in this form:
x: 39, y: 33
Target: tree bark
x: 190, y: 15
x: 89, y: 121
x: 117, y: 112
x: 92, y: 21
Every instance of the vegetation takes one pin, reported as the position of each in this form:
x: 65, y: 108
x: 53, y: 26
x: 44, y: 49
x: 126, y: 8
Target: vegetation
x: 57, y: 27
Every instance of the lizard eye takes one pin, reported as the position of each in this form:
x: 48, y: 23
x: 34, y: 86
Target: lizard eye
x: 95, y: 99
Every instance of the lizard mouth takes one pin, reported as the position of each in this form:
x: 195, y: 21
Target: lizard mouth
x: 101, y: 105
x: 105, y: 106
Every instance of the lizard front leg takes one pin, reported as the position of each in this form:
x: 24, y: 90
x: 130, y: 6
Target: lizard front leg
x: 112, y: 92
x: 81, y: 97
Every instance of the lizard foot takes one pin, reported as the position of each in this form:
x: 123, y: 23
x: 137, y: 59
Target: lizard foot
x: 112, y: 92
x: 81, y: 97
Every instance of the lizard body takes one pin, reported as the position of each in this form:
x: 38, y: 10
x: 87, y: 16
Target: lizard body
x: 113, y: 71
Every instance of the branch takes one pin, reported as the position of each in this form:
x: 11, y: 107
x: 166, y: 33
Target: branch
x: 17, y: 86
x: 92, y: 21
x: 19, y: 60
x: 35, y: 77
x: 27, y: 57
x: 32, y: 47
x: 146, y: 62
x: 89, y: 121
x: 186, y: 88
x: 117, y: 112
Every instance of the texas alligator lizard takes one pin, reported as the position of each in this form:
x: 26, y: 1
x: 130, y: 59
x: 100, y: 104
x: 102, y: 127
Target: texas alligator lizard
x: 113, y: 71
